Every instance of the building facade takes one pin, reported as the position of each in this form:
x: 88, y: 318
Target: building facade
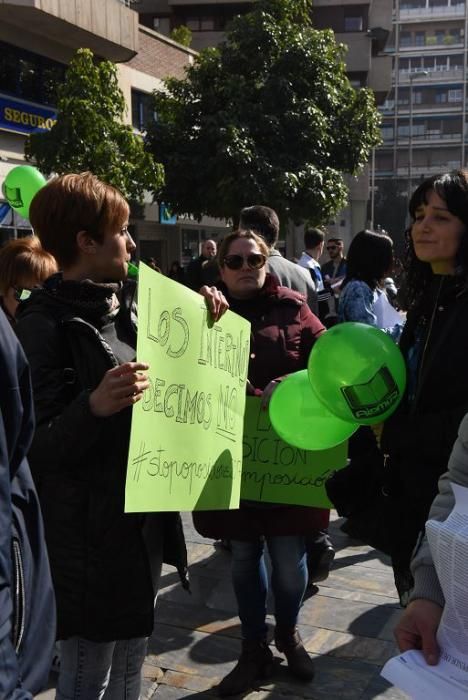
x: 424, y: 127
x: 37, y: 40
x: 363, y: 25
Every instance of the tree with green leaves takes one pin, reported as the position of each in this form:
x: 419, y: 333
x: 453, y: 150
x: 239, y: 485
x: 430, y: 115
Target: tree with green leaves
x: 267, y: 117
x: 182, y: 35
x: 90, y: 135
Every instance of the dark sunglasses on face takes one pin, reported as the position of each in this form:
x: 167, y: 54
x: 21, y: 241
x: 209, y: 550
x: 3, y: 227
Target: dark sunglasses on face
x: 332, y: 247
x: 255, y: 261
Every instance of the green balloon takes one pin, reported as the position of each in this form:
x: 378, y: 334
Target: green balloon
x: 300, y: 419
x: 20, y: 186
x: 358, y: 372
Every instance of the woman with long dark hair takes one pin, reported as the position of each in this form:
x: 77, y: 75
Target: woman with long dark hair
x: 418, y: 438
x: 369, y: 262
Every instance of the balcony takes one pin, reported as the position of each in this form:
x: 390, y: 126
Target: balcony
x: 429, y: 138
x: 380, y: 76
x: 358, y: 58
x: 432, y: 43
x: 418, y: 14
x: 427, y: 170
x: 206, y: 2
x: 108, y: 27
x: 435, y: 75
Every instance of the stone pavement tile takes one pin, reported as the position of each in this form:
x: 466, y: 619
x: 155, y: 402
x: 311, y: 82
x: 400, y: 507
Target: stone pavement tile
x: 360, y: 556
x: 190, y: 681
x: 191, y: 652
x: 212, y: 591
x: 380, y: 689
x: 361, y: 619
x: 196, y: 617
x: 351, y: 594
x: 322, y: 641
x: 151, y: 677
x: 198, y: 663
x: 362, y: 578
x: 335, y: 679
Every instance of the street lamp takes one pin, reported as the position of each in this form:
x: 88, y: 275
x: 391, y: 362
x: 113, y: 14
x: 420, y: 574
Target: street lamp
x: 412, y: 77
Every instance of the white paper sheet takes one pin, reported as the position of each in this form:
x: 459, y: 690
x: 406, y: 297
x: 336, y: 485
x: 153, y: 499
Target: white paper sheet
x: 387, y: 316
x: 449, y: 679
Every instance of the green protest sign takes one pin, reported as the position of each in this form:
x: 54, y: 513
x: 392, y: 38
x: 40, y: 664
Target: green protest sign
x: 276, y: 472
x: 186, y: 438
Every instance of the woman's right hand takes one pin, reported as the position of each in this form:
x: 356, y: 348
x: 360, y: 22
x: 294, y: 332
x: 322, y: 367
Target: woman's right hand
x: 417, y: 629
x: 120, y: 387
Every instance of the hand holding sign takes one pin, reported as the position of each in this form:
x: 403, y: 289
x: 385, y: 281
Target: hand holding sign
x: 120, y: 387
x: 20, y: 186
x: 358, y: 373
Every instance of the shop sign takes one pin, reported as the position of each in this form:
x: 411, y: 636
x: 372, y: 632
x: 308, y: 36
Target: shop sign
x: 165, y: 214
x: 25, y: 117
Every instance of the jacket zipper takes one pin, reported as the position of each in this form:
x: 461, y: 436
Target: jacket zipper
x: 421, y: 364
x: 19, y: 607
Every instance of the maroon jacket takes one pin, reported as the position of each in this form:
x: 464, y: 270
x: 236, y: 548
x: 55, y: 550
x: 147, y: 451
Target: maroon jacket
x: 283, y: 332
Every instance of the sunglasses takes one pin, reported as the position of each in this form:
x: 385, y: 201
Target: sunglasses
x: 255, y: 261
x: 332, y: 247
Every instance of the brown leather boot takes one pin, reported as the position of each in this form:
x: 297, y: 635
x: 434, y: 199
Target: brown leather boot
x: 300, y: 664
x: 255, y: 662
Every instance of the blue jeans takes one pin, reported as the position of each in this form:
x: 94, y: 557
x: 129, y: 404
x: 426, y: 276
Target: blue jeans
x: 100, y: 670
x: 288, y: 581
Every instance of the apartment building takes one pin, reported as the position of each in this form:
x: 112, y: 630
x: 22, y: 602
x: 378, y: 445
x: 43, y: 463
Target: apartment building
x: 37, y: 40
x: 424, y: 117
x: 363, y: 25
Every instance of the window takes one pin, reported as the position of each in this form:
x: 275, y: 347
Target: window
x: 387, y: 133
x: 142, y: 110
x: 207, y: 24
x: 28, y: 75
x: 420, y: 38
x: 405, y: 39
x: 353, y: 24
x: 455, y: 95
x: 12, y: 225
x: 441, y: 97
x: 201, y: 24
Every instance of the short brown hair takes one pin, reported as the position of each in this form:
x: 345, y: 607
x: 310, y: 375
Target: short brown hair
x: 262, y: 220
x: 22, y: 261
x: 225, y: 244
x: 71, y: 203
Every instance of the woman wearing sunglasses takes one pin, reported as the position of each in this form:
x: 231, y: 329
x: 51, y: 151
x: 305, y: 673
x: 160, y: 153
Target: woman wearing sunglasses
x: 24, y: 264
x: 283, y: 331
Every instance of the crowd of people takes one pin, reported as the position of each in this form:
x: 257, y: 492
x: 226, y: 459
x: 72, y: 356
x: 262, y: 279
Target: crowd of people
x: 69, y: 313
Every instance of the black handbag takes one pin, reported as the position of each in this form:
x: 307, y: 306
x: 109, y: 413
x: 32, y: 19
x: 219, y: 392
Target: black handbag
x: 360, y: 493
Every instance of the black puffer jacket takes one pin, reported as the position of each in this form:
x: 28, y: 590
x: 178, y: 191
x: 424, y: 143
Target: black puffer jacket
x: 419, y: 436
x: 99, y: 561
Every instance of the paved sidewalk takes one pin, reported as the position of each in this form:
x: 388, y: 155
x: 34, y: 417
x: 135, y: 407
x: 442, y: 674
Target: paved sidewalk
x: 346, y: 626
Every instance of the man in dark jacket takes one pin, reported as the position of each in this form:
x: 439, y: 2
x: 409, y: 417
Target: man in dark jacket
x: 204, y: 269
x: 27, y: 606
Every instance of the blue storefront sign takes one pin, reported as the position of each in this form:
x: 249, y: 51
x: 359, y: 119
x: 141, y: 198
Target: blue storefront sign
x: 165, y: 214
x: 24, y: 117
